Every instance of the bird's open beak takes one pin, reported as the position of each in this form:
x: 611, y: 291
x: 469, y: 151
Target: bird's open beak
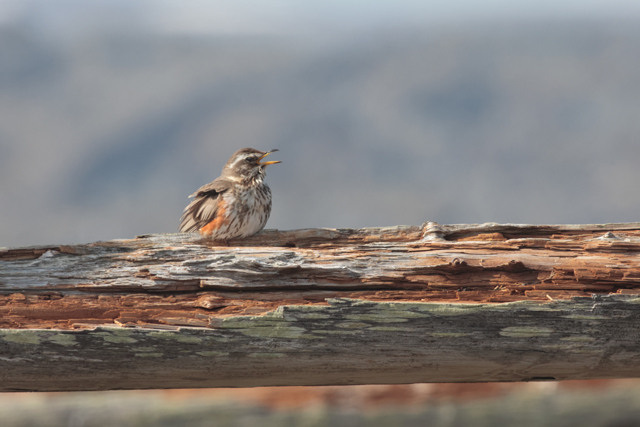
x: 268, y: 163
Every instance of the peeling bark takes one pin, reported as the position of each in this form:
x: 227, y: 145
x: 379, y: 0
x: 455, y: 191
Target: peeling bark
x: 489, y: 302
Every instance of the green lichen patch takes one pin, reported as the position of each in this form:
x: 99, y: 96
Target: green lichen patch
x: 164, y: 335
x: 281, y: 331
x: 586, y: 317
x: 113, y: 338
x: 244, y: 322
x: 558, y: 347
x: 188, y: 339
x: 525, y: 332
x: 310, y: 312
x: 175, y: 336
x: 526, y: 305
x: 390, y: 329
x: 63, y: 339
x: 306, y: 316
x: 320, y: 331
x: 352, y: 325
x: 212, y: 353
x: 449, y: 334
x: 404, y: 309
x: 20, y: 336
x: 378, y: 318
x: 579, y: 338
x: 266, y: 355
x: 143, y: 349
x: 405, y: 314
x: 311, y: 337
x: 434, y: 309
x: 120, y: 332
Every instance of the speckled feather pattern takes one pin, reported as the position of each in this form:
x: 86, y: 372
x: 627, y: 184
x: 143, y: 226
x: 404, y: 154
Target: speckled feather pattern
x: 237, y: 204
x: 247, y: 211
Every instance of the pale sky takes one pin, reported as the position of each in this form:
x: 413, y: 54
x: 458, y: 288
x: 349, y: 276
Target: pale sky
x: 298, y: 18
x: 322, y: 15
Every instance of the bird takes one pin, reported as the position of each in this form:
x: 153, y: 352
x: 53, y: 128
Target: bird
x: 237, y: 204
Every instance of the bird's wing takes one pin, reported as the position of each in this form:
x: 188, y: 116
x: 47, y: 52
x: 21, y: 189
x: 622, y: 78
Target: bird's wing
x: 204, y: 207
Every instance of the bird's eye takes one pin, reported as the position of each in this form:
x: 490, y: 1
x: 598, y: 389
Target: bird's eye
x: 251, y: 159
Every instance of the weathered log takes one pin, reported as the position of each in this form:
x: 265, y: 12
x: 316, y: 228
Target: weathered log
x: 457, y: 303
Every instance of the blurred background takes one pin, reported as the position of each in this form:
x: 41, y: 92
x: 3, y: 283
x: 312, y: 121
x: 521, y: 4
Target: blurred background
x: 385, y: 113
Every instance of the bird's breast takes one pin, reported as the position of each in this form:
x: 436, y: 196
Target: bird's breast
x: 248, y: 209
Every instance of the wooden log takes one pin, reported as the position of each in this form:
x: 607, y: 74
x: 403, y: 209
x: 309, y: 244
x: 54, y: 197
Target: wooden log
x: 431, y: 303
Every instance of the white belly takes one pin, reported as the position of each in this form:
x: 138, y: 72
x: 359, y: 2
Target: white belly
x: 247, y: 213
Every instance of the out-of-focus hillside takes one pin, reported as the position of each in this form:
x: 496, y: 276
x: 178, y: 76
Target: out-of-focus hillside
x: 590, y: 404
x: 104, y: 136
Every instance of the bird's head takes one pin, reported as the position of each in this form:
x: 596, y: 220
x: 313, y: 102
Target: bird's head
x: 247, y: 164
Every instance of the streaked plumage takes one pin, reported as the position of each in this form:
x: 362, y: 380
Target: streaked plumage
x: 236, y: 204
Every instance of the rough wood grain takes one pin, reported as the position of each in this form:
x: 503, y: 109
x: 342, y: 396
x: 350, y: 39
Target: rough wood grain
x: 488, y: 302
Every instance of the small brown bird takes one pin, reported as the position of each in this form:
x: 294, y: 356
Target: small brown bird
x: 236, y: 204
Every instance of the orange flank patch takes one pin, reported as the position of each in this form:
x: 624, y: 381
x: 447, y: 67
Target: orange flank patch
x: 217, y: 222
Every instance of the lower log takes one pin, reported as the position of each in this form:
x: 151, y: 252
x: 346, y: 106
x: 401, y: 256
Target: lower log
x: 345, y: 342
